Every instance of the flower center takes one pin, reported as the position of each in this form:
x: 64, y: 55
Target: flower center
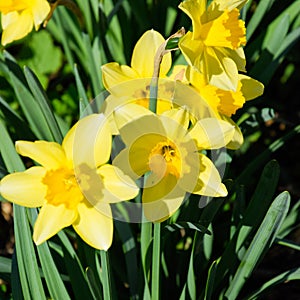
x: 164, y: 159
x: 62, y: 188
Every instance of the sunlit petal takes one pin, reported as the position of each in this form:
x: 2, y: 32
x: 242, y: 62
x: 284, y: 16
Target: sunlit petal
x: 113, y: 74
x: 40, y: 12
x: 49, y: 154
x: 25, y: 188
x: 212, y: 133
x: 120, y: 186
x: 144, y: 53
x: 237, y: 139
x: 51, y: 220
x: 229, y: 4
x: 15, y: 26
x: 134, y: 164
x: 147, y: 124
x: 91, y: 141
x: 93, y: 226
x: 209, y: 181
x: 161, y: 199
x: 251, y: 88
x: 129, y: 112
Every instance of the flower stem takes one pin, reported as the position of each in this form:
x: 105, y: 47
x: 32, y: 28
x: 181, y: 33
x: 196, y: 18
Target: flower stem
x: 146, y: 235
x: 107, y: 294
x: 155, y: 263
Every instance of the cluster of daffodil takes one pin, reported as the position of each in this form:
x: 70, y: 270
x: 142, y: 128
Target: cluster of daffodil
x: 165, y: 120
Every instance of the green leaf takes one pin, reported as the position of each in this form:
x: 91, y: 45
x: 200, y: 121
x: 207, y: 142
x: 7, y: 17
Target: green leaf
x: 210, y: 281
x: 186, y: 225
x: 261, y: 242
x: 252, y: 218
x: 53, y: 279
x: 287, y: 276
x: 43, y: 102
x: 30, y: 107
x: 261, y: 10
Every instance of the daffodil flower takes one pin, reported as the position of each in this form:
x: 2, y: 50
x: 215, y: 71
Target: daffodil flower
x: 224, y: 103
x: 167, y: 152
x: 133, y: 82
x: 19, y: 16
x: 214, y: 46
x: 73, y: 185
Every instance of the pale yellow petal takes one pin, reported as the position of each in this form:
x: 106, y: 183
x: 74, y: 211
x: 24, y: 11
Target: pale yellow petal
x: 212, y: 133
x: 114, y: 74
x: 144, y: 53
x: 209, y: 181
x: 25, y: 188
x: 174, y: 119
x: 143, y: 126
x: 118, y: 185
x: 191, y: 99
x: 133, y: 163
x: 125, y: 114
x: 237, y: 55
x: 51, y: 220
x: 229, y: 4
x: 161, y: 199
x: 92, y: 141
x: 48, y: 154
x: 15, y: 26
x: 251, y: 88
x: 237, y: 139
x: 192, y: 50
x: 95, y: 227
x: 194, y: 9
x: 221, y: 71
x: 40, y: 11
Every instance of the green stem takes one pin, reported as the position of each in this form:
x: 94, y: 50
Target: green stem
x: 107, y: 294
x: 155, y: 262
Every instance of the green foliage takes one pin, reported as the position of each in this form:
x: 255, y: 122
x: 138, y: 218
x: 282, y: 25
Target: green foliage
x: 48, y: 81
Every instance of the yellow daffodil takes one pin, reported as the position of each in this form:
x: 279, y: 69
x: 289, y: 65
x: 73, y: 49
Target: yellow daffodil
x: 19, y: 16
x: 73, y: 184
x: 133, y: 82
x: 163, y: 148
x: 214, y: 46
x: 223, y: 103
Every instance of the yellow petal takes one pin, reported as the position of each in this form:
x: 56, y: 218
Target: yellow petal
x: 134, y: 165
x: 174, y: 119
x: 161, y: 199
x: 113, y: 74
x: 144, y: 53
x: 195, y: 10
x: 124, y: 114
x: 95, y: 227
x: 192, y: 50
x: 15, y: 26
x: 25, y: 188
x: 251, y: 88
x: 117, y: 184
x: 237, y: 139
x: 91, y: 141
x: 145, y: 125
x: 225, y: 31
x: 49, y: 154
x: 209, y: 181
x: 51, y: 220
x: 40, y: 12
x: 229, y: 4
x: 212, y: 133
x: 220, y: 70
x: 237, y: 55
x: 189, y: 97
